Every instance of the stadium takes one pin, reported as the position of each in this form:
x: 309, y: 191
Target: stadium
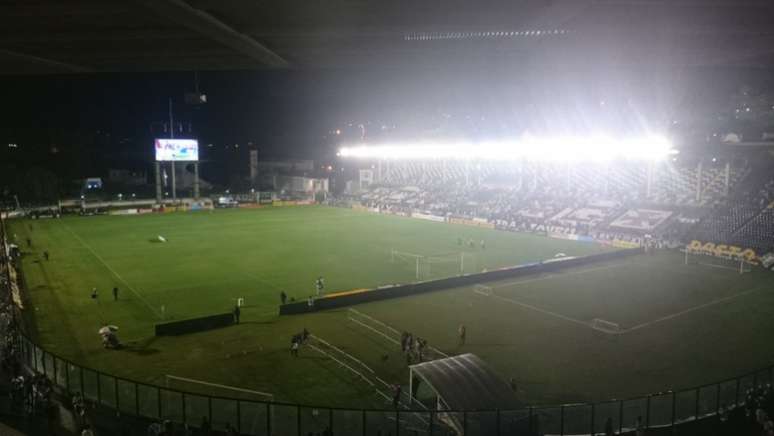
x: 586, y: 250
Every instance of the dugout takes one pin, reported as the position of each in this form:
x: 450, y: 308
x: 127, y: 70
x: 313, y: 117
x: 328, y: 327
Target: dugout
x: 193, y: 325
x: 464, y: 382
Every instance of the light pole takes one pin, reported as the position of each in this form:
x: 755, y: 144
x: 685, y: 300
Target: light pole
x: 172, y: 136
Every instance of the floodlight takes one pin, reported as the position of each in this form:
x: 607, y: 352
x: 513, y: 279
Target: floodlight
x: 595, y: 148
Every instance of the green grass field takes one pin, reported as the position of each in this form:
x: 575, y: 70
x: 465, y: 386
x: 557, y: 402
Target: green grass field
x: 682, y: 325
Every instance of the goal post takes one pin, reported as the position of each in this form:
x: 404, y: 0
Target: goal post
x: 604, y: 326
x: 431, y: 265
x: 408, y: 258
x: 444, y: 265
x: 731, y: 262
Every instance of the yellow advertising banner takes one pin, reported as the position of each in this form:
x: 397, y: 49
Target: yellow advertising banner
x: 473, y: 223
x: 620, y: 243
x: 723, y: 250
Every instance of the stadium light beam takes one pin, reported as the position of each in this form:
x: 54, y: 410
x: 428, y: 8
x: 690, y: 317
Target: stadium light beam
x: 545, y: 149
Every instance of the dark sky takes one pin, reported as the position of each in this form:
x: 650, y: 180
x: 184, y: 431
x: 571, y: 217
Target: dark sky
x: 288, y: 113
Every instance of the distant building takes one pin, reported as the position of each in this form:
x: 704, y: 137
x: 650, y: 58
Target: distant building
x: 298, y: 185
x: 286, y: 166
x: 127, y: 177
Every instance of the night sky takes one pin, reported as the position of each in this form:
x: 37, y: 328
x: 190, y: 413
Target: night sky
x: 111, y: 119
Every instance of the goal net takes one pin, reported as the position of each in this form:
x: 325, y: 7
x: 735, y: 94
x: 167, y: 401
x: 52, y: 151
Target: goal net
x: 605, y: 326
x: 427, y: 267
x: 202, y: 387
x: 410, y: 260
x: 730, y: 262
x: 443, y: 265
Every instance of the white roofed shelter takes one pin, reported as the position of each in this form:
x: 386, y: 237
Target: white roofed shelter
x: 462, y: 383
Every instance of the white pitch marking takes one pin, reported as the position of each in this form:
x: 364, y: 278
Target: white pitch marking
x: 392, y: 329
x: 543, y: 311
x: 217, y: 385
x: 374, y: 320
x: 341, y: 363
x: 551, y: 276
x: 692, y: 309
x: 375, y: 331
x: 128, y: 286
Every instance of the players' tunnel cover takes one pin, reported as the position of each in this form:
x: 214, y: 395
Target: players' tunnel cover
x: 466, y: 382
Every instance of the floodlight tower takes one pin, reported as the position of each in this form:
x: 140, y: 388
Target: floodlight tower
x: 190, y: 154
x: 172, y: 136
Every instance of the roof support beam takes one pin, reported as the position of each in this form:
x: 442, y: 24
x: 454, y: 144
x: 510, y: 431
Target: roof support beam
x: 50, y: 63
x: 180, y: 12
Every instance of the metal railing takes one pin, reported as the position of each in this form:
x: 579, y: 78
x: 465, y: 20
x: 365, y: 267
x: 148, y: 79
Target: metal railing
x: 250, y: 417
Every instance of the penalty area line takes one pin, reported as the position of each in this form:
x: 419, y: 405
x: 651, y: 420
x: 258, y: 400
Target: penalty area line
x: 557, y: 275
x: 537, y: 309
x: 112, y: 271
x: 693, y: 309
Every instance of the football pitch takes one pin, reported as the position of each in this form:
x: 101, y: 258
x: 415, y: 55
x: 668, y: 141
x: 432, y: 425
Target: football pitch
x: 678, y: 325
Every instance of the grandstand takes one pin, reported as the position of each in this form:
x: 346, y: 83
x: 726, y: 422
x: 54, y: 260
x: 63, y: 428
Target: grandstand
x: 673, y: 201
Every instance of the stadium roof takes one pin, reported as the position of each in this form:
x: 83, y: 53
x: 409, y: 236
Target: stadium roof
x: 51, y: 37
x: 466, y: 382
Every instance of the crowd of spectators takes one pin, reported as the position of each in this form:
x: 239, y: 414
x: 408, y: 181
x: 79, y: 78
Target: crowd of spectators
x: 574, y: 211
x: 759, y: 410
x: 552, y: 202
x: 746, y: 220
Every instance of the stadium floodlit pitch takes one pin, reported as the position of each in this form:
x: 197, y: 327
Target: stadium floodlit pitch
x: 680, y: 325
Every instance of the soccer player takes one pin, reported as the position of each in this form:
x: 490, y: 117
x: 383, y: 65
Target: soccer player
x: 237, y: 312
x: 320, y: 285
x: 283, y: 297
x: 462, y: 332
x: 115, y: 293
x: 45, y: 255
x: 483, y: 245
x: 94, y: 293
